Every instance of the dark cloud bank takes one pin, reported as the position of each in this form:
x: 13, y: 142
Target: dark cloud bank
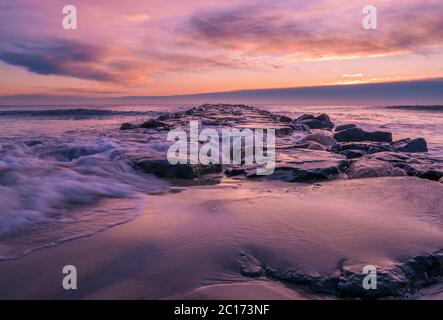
x: 408, y: 92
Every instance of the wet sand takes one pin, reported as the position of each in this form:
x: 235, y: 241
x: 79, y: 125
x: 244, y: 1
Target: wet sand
x: 193, y: 244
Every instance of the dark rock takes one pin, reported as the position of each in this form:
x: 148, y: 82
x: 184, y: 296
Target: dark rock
x: 410, y: 170
x: 387, y: 286
x: 162, y: 168
x: 357, y: 134
x: 234, y: 171
x: 400, y: 281
x: 392, y: 157
x: 410, y: 164
x: 282, y: 118
x: 250, y: 266
x: 369, y: 148
x: 301, y: 127
x: 352, y: 154
x: 305, y: 175
x: 345, y: 127
x: 154, y: 124
x: 341, y: 147
x: 430, y: 174
x: 320, y: 138
x: 326, y: 285
x: 343, y: 165
x: 284, y: 130
x: 324, y: 117
x: 378, y: 149
x: 369, y: 168
x: 163, y: 117
x: 321, y: 122
x: 316, y: 124
x: 128, y: 126
x: 411, y: 145
x: 316, y: 146
x: 305, y: 117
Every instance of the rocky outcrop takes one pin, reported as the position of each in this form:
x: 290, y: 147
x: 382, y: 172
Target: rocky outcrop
x: 128, y: 126
x: 369, y: 168
x: 162, y: 168
x: 352, y: 154
x: 304, y: 155
x: 357, y: 135
x: 315, y: 146
x: 154, y: 124
x: 302, y: 175
x: 282, y: 118
x: 402, y: 280
x: 345, y: 127
x: 149, y: 124
x: 430, y: 174
x: 320, y: 138
x: 367, y: 147
x: 306, y: 175
x: 320, y: 122
x: 411, y: 145
x: 352, y: 150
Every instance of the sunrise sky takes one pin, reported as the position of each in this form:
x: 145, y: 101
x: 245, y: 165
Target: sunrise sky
x: 174, y: 47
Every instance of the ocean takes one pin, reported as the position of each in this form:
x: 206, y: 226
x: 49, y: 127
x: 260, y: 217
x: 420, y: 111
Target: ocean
x: 69, y: 194
x: 62, y: 175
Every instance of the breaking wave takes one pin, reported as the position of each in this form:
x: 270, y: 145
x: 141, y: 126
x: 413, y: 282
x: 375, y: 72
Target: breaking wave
x: 66, y: 189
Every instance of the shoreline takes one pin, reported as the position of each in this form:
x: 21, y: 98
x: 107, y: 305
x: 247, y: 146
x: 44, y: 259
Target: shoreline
x: 190, y: 244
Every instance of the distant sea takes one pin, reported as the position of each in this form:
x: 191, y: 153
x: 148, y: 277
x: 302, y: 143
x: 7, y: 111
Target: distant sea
x: 56, y: 159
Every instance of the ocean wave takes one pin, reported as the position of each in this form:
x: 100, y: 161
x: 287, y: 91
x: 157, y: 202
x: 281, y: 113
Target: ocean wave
x: 52, y: 184
x: 72, y: 113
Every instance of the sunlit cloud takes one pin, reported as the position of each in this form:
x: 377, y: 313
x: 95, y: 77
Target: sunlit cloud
x: 356, y: 75
x: 172, y: 47
x: 137, y: 17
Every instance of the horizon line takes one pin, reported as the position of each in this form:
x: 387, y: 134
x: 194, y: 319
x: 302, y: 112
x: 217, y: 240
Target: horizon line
x: 426, y: 91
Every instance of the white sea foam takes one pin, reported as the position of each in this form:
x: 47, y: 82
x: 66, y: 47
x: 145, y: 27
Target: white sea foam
x: 51, y: 182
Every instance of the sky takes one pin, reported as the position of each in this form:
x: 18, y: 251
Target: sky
x: 176, y: 47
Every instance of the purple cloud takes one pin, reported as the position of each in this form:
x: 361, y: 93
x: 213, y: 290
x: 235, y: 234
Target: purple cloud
x: 58, y: 57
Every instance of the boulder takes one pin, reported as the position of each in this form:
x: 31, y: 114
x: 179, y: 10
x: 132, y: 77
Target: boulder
x: 345, y: 127
x: 306, y: 175
x: 441, y: 180
x: 316, y: 146
x: 352, y: 154
x: 430, y: 174
x: 282, y: 118
x: 321, y: 122
x: 324, y: 117
x: 128, y: 126
x: 162, y: 168
x: 370, y: 148
x: 410, y: 170
x: 378, y: 149
x: 411, y: 145
x: 393, y: 157
x: 358, y: 135
x: 300, y: 127
x: 367, y: 168
x: 284, y: 130
x: 154, y: 124
x: 320, y: 138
